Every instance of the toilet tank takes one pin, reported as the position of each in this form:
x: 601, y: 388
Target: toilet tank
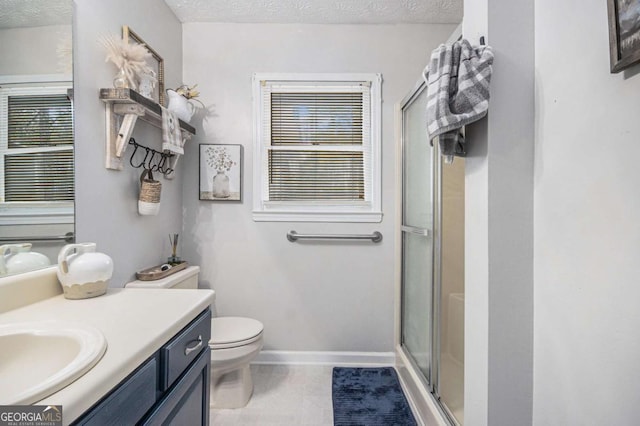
x: 187, y: 278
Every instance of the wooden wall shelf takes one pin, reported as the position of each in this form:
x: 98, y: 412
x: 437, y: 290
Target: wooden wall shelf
x: 123, y: 108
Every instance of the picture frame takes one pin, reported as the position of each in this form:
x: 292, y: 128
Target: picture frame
x: 220, y: 172
x: 624, y: 33
x: 157, y: 64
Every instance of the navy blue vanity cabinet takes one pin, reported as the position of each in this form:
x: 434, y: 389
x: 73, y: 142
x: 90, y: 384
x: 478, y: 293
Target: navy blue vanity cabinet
x: 187, y: 403
x: 170, y: 388
x: 130, y: 400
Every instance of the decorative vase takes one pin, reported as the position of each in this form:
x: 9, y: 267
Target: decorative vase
x: 20, y: 259
x: 221, y: 185
x: 120, y: 81
x: 146, y: 85
x: 85, y: 273
x: 180, y: 106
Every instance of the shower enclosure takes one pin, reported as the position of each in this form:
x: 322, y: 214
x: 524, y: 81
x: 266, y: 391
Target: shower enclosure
x: 431, y: 319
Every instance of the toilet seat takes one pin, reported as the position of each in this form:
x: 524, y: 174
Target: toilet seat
x: 232, y: 332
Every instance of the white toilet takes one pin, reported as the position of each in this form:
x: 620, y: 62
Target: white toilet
x: 234, y: 343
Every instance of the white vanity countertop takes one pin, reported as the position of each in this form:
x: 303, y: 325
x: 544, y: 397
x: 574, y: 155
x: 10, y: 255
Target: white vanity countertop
x: 135, y: 323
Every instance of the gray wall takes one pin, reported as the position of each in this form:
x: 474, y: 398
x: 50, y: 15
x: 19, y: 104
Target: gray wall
x: 499, y: 222
x: 587, y: 238
x: 34, y: 50
x: 310, y: 296
x: 106, y: 200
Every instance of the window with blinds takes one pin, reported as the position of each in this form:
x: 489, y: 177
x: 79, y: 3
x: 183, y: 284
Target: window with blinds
x: 36, y: 145
x: 318, y: 147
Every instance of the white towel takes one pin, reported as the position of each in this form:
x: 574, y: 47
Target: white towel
x: 172, y: 139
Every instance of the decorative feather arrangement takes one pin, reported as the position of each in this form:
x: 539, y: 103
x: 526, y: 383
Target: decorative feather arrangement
x: 131, y: 59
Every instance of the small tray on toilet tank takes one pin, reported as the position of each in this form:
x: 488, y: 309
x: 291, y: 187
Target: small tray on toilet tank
x: 157, y: 272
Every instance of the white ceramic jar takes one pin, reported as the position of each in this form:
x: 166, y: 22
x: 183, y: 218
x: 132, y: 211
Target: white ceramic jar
x: 180, y: 106
x: 85, y: 273
x: 20, y: 259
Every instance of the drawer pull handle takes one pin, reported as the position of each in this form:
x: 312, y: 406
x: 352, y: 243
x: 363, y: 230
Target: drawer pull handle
x: 195, y: 347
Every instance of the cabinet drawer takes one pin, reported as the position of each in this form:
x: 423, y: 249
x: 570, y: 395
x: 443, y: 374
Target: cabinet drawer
x: 187, y: 403
x: 131, y: 399
x: 176, y: 355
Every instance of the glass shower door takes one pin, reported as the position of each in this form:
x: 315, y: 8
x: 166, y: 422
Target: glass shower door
x: 432, y: 304
x: 417, y: 233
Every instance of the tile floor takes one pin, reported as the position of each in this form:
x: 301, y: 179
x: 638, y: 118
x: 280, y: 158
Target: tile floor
x: 283, y: 395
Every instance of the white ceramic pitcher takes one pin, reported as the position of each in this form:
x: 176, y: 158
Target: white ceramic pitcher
x: 85, y: 273
x: 180, y: 106
x: 20, y: 259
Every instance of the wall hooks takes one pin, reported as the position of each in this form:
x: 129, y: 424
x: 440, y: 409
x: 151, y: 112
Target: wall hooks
x: 153, y: 160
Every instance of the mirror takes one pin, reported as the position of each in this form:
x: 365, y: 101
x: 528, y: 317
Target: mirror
x: 36, y: 133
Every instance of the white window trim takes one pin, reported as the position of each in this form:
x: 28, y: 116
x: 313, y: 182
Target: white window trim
x: 274, y: 211
x: 41, y: 213
x: 30, y: 79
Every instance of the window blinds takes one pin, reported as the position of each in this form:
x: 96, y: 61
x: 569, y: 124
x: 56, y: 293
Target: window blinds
x: 45, y: 176
x: 39, y: 120
x: 38, y: 154
x: 318, y: 141
x: 318, y: 175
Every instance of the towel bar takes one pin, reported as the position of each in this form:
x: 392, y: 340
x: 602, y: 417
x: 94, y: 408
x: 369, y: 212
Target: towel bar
x: 69, y: 237
x: 293, y: 236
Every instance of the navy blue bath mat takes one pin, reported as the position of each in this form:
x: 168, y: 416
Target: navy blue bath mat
x: 369, y: 397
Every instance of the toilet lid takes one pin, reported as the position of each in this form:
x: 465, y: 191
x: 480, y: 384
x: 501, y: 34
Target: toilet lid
x: 229, y: 330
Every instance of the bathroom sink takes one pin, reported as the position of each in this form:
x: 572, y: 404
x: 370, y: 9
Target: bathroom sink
x: 41, y: 357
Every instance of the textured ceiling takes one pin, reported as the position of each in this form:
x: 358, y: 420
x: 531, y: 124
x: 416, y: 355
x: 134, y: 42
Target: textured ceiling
x: 35, y: 13
x: 319, y: 11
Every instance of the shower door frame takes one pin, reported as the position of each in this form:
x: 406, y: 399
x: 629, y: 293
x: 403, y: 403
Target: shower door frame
x: 405, y: 359
x: 430, y: 235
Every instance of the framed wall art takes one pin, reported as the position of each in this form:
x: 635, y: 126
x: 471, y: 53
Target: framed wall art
x: 156, y: 92
x: 220, y: 172
x: 624, y: 33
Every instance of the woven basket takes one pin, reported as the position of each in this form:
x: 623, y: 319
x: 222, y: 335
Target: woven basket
x: 149, y: 199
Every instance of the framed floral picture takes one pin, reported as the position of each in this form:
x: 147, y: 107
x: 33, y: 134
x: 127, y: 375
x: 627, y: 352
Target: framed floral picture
x: 624, y: 33
x: 220, y: 172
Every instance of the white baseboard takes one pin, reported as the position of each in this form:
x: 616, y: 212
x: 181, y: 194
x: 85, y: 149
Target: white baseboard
x: 327, y: 358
